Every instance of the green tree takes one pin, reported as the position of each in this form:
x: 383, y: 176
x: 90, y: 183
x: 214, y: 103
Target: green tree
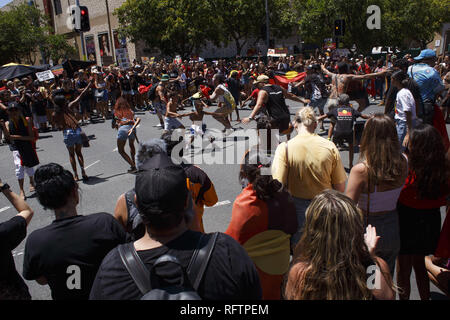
x: 401, y: 21
x: 56, y: 47
x: 173, y: 26
x: 25, y: 31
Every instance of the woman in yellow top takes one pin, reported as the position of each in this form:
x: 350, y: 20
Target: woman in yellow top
x: 307, y: 164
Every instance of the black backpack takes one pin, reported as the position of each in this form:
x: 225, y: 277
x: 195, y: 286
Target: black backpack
x: 148, y: 281
x: 152, y: 91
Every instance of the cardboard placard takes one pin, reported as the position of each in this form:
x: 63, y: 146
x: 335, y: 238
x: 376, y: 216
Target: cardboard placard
x: 45, y: 75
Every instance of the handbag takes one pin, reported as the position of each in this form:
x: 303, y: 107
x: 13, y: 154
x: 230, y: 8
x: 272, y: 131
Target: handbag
x: 84, y: 140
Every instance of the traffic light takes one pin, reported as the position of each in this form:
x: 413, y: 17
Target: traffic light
x: 84, y: 19
x: 339, y: 28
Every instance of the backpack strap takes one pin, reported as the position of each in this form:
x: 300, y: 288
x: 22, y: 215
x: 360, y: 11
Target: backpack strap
x: 135, y: 267
x: 129, y: 199
x: 200, y: 258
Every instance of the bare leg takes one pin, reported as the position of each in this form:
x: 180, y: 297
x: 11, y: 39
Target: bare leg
x: 22, y: 192
x: 423, y: 283
x: 132, y: 151
x: 80, y: 159
x: 73, y: 162
x: 121, y: 149
x: 404, y: 268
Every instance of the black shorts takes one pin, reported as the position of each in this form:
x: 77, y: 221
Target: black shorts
x: 280, y: 124
x: 347, y: 137
x: 419, y: 230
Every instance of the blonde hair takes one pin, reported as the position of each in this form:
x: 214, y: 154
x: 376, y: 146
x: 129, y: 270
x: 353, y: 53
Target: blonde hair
x: 331, y: 258
x: 306, y: 116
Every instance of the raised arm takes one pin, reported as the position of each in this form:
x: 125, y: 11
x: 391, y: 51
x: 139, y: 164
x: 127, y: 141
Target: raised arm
x: 80, y: 95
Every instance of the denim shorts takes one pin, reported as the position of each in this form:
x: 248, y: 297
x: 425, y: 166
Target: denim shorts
x: 130, y: 92
x: 300, y: 208
x: 402, y: 127
x: 72, y: 137
x: 122, y: 133
x: 320, y: 104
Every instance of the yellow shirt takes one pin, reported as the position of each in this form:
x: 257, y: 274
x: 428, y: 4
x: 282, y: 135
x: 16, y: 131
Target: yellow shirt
x: 314, y: 165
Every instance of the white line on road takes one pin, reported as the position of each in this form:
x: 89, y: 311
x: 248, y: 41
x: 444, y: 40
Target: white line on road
x: 221, y: 203
x: 4, y: 209
x: 92, y: 164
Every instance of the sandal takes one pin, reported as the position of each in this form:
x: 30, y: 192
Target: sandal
x: 132, y: 170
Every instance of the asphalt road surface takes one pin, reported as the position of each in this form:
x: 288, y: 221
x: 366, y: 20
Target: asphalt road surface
x: 109, y: 177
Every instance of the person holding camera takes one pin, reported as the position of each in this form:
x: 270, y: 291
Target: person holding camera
x: 12, y: 232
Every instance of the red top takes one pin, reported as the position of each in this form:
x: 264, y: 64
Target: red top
x: 409, y: 195
x: 439, y: 124
x: 255, y: 93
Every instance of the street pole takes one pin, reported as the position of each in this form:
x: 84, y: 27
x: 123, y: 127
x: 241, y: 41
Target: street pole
x: 110, y: 32
x: 267, y: 26
x: 81, y: 37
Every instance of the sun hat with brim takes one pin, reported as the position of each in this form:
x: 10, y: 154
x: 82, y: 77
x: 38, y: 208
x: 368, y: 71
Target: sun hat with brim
x: 165, y: 77
x: 262, y: 78
x: 426, y: 54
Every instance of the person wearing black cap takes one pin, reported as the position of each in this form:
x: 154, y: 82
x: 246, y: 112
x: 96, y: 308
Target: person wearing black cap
x: 162, y: 198
x: 19, y: 132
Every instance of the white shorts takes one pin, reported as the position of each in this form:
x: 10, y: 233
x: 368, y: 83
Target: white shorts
x: 19, y: 169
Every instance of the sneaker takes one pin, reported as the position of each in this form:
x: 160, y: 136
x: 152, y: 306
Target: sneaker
x: 132, y: 170
x: 158, y: 125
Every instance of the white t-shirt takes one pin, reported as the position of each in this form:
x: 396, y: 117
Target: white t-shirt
x: 405, y: 102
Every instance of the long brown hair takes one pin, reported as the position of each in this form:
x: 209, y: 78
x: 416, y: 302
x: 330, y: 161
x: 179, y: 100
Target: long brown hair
x: 331, y: 258
x: 380, y: 149
x: 428, y: 161
x: 121, y: 104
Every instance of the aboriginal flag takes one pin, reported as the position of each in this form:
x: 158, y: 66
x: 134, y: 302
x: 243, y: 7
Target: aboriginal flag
x: 282, y: 78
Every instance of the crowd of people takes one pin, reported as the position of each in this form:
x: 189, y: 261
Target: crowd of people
x: 305, y: 231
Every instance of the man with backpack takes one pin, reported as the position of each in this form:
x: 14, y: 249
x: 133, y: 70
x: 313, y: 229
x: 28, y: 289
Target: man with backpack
x: 170, y: 261
x: 429, y: 82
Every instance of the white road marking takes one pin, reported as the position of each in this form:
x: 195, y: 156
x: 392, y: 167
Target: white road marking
x: 92, y: 164
x: 221, y: 203
x: 4, y: 209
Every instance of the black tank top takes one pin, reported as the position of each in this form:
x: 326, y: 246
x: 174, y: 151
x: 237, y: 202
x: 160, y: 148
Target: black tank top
x: 276, y: 105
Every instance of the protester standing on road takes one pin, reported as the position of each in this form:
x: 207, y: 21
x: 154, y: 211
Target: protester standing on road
x: 66, y: 121
x: 162, y: 198
x: 405, y: 108
x: 160, y: 100
x: 273, y: 98
x: 126, y: 125
x: 19, y: 132
x: 429, y: 82
x: 332, y: 259
x: 12, y: 232
x: 425, y: 191
x: 67, y: 253
x: 307, y: 164
x: 376, y: 182
x: 263, y: 220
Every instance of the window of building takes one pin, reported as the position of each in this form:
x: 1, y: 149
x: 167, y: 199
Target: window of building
x: 57, y: 5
